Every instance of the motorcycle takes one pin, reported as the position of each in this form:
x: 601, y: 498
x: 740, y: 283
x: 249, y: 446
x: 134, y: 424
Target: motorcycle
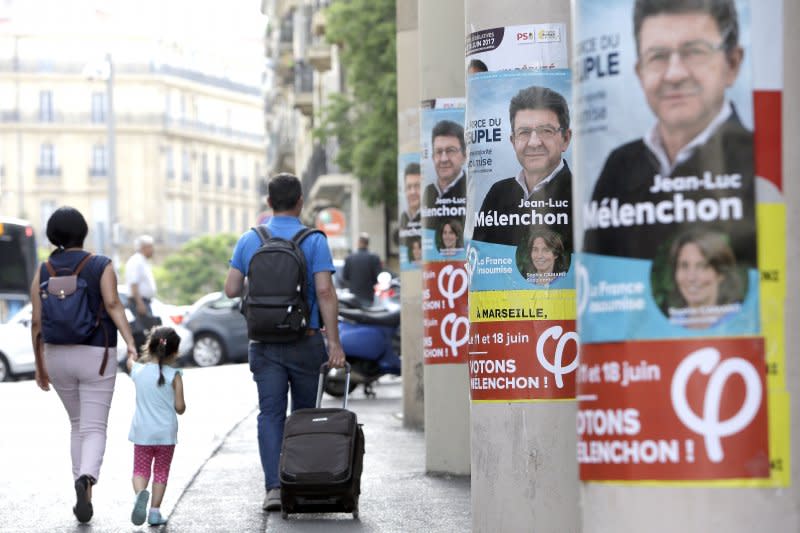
x: 370, y: 339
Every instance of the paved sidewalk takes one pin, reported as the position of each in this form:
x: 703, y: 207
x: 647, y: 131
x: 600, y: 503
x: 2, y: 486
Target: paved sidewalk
x: 396, y: 495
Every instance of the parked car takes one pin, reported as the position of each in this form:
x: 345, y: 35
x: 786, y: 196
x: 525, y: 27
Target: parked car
x: 219, y: 329
x: 16, y: 353
x: 171, y: 315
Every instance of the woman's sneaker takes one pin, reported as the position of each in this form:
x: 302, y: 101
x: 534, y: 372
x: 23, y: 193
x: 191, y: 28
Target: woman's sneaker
x: 155, y: 518
x: 140, y: 507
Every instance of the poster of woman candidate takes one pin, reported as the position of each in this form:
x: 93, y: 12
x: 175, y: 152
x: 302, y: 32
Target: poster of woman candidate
x: 671, y: 384
x: 409, y: 193
x: 444, y: 301
x: 523, y: 345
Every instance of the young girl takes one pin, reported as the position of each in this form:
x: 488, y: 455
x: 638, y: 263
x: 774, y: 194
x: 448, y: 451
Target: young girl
x: 154, y: 430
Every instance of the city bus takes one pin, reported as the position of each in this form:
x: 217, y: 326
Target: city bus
x: 17, y: 258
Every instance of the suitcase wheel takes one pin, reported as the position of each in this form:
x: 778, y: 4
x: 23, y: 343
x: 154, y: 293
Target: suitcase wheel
x: 355, y: 513
x: 284, y: 515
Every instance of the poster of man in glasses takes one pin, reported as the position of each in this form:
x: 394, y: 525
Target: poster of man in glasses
x: 665, y: 112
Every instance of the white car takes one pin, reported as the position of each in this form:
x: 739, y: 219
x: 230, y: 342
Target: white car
x: 16, y: 353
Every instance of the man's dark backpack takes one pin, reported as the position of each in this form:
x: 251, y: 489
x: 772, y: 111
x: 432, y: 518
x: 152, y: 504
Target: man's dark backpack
x: 275, y: 304
x: 66, y: 315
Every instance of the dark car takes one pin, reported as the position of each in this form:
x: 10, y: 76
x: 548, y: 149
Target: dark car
x: 220, y: 332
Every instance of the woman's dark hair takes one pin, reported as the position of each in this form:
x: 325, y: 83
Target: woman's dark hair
x: 716, y: 250
x: 66, y: 228
x: 476, y: 65
x: 161, y: 345
x: 553, y: 241
x: 456, y: 227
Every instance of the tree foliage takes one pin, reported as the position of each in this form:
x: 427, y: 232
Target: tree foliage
x: 364, y: 120
x: 197, y: 268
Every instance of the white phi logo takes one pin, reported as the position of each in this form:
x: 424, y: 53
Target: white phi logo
x: 454, y: 329
x: 706, y: 360
x: 556, y: 367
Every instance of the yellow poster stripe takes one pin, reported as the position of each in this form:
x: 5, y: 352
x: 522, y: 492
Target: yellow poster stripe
x: 496, y: 306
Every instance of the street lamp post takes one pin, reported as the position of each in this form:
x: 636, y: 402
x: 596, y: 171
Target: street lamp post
x: 105, y: 71
x: 111, y: 143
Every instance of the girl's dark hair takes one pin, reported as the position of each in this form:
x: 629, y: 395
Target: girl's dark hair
x: 66, y: 228
x: 162, y: 344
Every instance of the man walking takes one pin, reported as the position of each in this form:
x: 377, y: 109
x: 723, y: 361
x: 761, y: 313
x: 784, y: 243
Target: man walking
x: 361, y: 271
x: 277, y: 366
x: 141, y: 288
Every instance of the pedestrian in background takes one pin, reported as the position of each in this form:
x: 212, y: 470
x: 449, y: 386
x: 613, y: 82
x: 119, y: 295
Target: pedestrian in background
x: 141, y: 288
x: 79, y: 371
x: 361, y: 270
x: 154, y: 429
x: 277, y: 365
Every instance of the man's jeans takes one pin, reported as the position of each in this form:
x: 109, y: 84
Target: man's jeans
x: 274, y: 368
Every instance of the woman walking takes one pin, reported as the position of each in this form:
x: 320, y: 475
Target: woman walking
x: 76, y: 315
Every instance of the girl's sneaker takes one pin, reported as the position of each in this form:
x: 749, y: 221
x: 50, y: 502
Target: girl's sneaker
x: 140, y: 507
x: 155, y: 519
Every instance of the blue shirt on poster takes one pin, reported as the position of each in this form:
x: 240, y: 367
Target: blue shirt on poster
x: 315, y: 248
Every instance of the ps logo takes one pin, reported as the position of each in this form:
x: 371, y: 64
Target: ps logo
x: 709, y: 425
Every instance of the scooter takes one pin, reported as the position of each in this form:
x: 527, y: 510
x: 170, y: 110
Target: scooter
x: 370, y: 339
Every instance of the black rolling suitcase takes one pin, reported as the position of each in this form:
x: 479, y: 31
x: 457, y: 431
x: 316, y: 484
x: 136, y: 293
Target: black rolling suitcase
x: 321, y: 458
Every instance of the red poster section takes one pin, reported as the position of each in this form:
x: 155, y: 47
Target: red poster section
x: 523, y: 360
x: 445, y: 312
x: 673, y: 410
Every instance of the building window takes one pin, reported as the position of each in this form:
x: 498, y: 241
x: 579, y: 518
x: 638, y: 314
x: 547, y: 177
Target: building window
x: 205, y: 219
x: 206, y: 174
x: 231, y: 173
x: 47, y: 161
x: 218, y: 219
x: 170, y: 163
x: 245, y: 219
x: 187, y: 169
x: 245, y: 183
x: 99, y: 161
x: 98, y: 107
x: 46, y: 106
x: 232, y: 220
x: 219, y: 170
x: 46, y: 209
x: 257, y: 172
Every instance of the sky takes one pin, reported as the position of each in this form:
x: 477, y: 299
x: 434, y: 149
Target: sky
x: 207, y: 35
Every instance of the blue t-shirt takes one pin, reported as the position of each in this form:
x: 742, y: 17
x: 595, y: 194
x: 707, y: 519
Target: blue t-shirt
x: 155, y: 421
x: 315, y: 248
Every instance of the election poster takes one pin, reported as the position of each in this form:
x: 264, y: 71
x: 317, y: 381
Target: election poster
x: 673, y: 262
x: 445, y: 297
x: 409, y: 193
x: 523, y: 345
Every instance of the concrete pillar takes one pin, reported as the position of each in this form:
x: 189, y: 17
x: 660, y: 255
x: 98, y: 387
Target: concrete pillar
x: 411, y: 279
x: 617, y: 508
x: 524, y: 474
x: 447, y: 428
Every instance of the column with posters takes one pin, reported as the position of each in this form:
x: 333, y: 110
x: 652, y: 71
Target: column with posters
x: 672, y: 381
x: 409, y: 193
x: 444, y: 279
x: 523, y: 345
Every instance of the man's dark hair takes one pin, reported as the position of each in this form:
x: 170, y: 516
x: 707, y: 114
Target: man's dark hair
x: 66, y: 228
x: 722, y: 11
x: 536, y: 97
x: 285, y: 191
x: 412, y: 168
x: 448, y: 128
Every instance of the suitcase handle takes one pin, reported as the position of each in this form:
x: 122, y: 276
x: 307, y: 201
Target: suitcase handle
x: 323, y: 371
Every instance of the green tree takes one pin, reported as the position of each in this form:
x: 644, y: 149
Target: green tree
x: 199, y: 267
x: 364, y: 120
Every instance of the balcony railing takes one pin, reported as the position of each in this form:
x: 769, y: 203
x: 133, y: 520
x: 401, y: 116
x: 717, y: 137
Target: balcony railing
x: 48, y: 172
x: 152, y: 120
